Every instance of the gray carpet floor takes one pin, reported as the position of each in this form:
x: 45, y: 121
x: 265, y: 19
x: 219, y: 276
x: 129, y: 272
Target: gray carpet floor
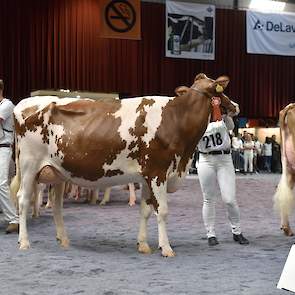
x: 102, y: 258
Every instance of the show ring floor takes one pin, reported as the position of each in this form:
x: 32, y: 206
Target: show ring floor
x: 103, y: 259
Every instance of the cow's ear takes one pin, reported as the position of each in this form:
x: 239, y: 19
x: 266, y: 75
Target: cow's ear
x: 201, y: 76
x: 220, y: 83
x: 181, y: 90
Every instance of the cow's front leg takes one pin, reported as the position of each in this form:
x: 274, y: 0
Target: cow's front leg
x: 61, y: 234
x: 145, y: 213
x: 160, y: 192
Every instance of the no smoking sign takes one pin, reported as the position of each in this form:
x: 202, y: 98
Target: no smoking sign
x: 120, y: 16
x: 120, y: 19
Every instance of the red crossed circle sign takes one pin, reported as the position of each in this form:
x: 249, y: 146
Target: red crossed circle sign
x: 120, y: 15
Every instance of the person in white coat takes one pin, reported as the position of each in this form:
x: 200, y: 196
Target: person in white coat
x: 216, y: 168
x: 248, y: 148
x: 6, y: 141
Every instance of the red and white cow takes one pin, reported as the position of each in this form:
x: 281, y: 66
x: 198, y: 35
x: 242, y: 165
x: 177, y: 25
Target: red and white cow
x: 284, y: 200
x: 149, y: 140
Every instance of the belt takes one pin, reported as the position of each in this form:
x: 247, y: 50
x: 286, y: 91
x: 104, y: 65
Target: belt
x: 216, y: 152
x: 5, y: 145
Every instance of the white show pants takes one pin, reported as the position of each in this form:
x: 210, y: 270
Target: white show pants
x: 213, y: 170
x: 6, y: 204
x: 248, y: 160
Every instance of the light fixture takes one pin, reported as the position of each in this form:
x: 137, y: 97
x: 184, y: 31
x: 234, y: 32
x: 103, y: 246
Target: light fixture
x: 267, y: 5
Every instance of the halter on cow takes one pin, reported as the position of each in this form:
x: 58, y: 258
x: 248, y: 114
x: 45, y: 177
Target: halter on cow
x: 103, y: 143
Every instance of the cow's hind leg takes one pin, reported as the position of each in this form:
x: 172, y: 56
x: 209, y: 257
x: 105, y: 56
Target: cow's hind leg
x: 24, y: 195
x: 61, y: 234
x: 145, y: 213
x: 284, y: 201
x: 285, y: 213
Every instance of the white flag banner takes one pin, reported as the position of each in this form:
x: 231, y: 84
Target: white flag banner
x: 190, y: 30
x: 271, y: 33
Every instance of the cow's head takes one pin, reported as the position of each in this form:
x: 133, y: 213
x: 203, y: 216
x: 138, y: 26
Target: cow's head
x: 211, y: 88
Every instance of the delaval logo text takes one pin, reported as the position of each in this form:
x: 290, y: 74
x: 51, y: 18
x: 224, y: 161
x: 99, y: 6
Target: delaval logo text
x: 270, y: 26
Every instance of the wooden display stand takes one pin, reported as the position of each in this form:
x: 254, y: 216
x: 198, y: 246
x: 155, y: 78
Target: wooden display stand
x: 78, y: 94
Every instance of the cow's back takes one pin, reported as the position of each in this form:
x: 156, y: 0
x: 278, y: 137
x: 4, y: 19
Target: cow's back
x: 87, y: 140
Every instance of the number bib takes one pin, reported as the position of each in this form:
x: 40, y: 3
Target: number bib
x: 216, y: 138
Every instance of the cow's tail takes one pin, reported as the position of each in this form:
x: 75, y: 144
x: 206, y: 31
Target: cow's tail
x: 15, y: 183
x: 284, y: 201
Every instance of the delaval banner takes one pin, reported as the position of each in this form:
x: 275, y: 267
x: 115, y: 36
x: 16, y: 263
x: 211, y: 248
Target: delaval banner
x: 190, y: 30
x: 271, y: 33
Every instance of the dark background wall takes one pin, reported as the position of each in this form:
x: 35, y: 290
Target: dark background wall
x: 52, y: 44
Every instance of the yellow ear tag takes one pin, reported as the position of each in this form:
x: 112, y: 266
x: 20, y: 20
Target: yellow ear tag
x: 219, y: 88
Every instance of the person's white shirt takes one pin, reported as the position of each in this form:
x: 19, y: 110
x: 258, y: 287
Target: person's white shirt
x: 7, y: 125
x: 237, y: 143
x: 248, y: 146
x: 215, y: 138
x: 257, y: 147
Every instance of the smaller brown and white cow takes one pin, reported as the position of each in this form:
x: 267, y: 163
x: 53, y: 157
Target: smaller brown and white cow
x: 284, y: 199
x: 70, y: 190
x: 93, y: 194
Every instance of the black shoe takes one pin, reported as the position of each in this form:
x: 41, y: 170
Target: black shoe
x: 212, y: 241
x: 241, y: 239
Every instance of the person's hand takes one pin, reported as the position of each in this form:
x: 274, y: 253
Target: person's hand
x: 237, y: 111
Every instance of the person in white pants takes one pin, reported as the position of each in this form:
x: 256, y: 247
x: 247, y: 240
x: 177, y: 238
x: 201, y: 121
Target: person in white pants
x: 216, y: 167
x: 6, y: 141
x: 248, y: 148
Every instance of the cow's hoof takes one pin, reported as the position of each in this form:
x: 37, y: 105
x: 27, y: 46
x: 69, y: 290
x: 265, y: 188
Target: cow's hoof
x: 131, y: 204
x: 102, y: 203
x: 24, y: 245
x: 168, y: 252
x: 35, y: 215
x: 64, y: 243
x: 48, y: 206
x: 144, y: 248
x: 287, y: 231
